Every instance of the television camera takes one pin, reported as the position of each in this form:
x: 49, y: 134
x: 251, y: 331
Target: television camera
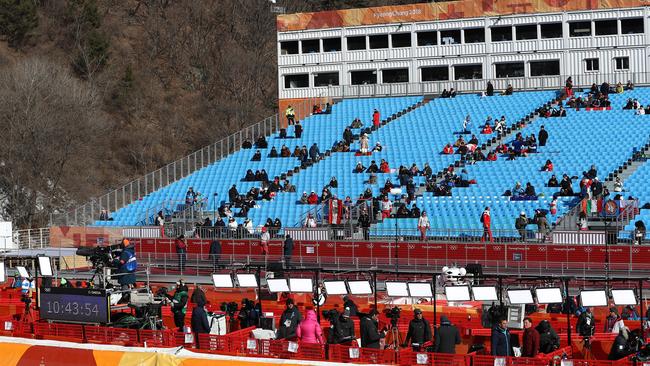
x: 394, y: 314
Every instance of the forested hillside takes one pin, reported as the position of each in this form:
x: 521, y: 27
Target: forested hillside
x: 94, y: 93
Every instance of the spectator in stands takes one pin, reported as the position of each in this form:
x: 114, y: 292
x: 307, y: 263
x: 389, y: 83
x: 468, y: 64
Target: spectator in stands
x: 383, y: 166
x: 593, y: 89
x: 629, y: 104
x: 325, y: 195
x: 290, y: 114
x: 500, y: 339
x: 552, y: 182
x: 309, y: 330
x: 613, y: 322
x: 509, y: 90
x: 604, y: 88
x: 473, y: 140
x: 517, y: 190
x: 363, y: 144
x: 370, y: 334
x: 386, y: 207
x: 297, y: 130
x: 630, y: 313
x: 285, y: 152
x: 310, y: 221
x: 542, y: 224
x: 181, y: 250
x: 520, y: 224
x: 630, y: 85
x: 314, y: 153
x: 348, y: 136
x: 250, y: 176
x: 640, y: 111
x: 264, y: 240
x: 312, y: 199
x: 378, y: 147
x: 446, y: 337
x: 486, y: 221
x: 459, y: 142
x: 316, y: 109
x: 467, y: 125
x: 248, y: 227
x: 548, y: 338
x: 261, y: 143
x: 452, y: 93
x: 597, y: 188
x: 297, y: 152
x: 277, y: 225
x: 287, y: 250
x: 179, y: 304
x: 190, y: 196
x: 423, y: 225
x: 619, y: 88
x: 553, y: 206
x: 233, y: 194
x: 530, y: 191
x: 491, y: 156
x: 160, y: 222
x: 376, y: 119
x: 566, y: 186
x: 373, y: 168
x: 304, y: 199
x: 582, y: 223
x: 364, y: 223
x: 419, y: 331
x: 448, y: 149
x: 543, y: 136
x: 103, y: 216
x: 489, y: 91
x: 531, y: 339
x: 548, y: 166
x: 638, y: 235
x: 356, y: 123
x: 289, y: 321
x: 426, y: 170
x: 487, y: 129
x: 246, y: 144
x: 444, y: 94
x: 273, y: 153
x: 334, y: 183
x: 359, y: 168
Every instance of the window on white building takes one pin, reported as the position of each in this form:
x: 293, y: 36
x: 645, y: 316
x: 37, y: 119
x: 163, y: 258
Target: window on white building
x: 551, y: 30
x: 474, y: 35
x: 310, y: 46
x: 621, y: 63
x: 289, y: 48
x: 401, y: 40
x: 391, y: 76
x: 378, y: 41
x: 526, y: 32
x: 357, y: 43
x: 463, y: 72
x: 501, y: 34
x: 435, y: 73
x: 509, y: 70
x: 450, y: 36
x: 592, y: 64
x: 331, y: 44
x: 579, y: 29
x: 427, y: 38
x: 296, y: 81
x: 606, y: 27
x: 631, y: 25
x: 326, y: 78
x: 545, y: 68
x: 363, y: 77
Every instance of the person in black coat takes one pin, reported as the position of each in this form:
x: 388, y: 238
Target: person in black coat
x: 342, y: 329
x: 542, y: 136
x: 233, y: 194
x: 490, y: 89
x: 297, y: 130
x: 215, y: 253
x: 289, y: 321
x: 619, y: 348
x: 200, y: 324
x: 348, y: 304
x: 287, y: 250
x: 364, y: 222
x: 370, y: 335
x: 549, y: 341
x: 314, y: 152
x: 500, y: 340
x: 198, y: 296
x: 447, y: 337
x: 419, y: 331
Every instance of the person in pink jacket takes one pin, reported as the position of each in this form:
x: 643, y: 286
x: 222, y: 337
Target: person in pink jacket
x: 309, y: 331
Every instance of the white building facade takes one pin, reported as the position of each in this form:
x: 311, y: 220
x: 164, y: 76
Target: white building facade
x: 529, y: 51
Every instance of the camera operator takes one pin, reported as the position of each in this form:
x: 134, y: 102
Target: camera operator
x: 419, y: 331
x: 370, y: 334
x: 586, y: 323
x: 127, y: 264
x: 342, y: 327
x: 447, y: 337
x: 179, y: 304
x: 248, y: 315
x: 620, y: 347
x: 289, y: 321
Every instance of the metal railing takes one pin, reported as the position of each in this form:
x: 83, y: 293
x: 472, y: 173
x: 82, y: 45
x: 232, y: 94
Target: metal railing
x: 172, y: 172
x: 556, y: 82
x: 30, y: 239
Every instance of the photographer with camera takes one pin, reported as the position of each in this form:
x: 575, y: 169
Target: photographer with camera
x: 341, y: 326
x: 586, y: 324
x: 127, y: 264
x: 620, y: 347
x: 419, y: 331
x: 370, y: 334
x: 179, y: 304
x: 248, y: 316
x: 447, y: 337
x: 289, y: 321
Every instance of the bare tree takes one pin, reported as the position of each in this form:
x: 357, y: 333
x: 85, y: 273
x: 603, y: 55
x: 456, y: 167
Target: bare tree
x: 51, y: 125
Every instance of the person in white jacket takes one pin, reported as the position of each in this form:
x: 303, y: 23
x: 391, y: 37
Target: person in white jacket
x: 363, y: 144
x: 423, y: 225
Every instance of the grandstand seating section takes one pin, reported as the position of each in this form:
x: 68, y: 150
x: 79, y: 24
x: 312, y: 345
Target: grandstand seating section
x: 636, y: 185
x: 603, y: 138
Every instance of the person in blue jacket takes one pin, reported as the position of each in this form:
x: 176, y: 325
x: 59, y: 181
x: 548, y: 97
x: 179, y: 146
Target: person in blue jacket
x: 501, y: 339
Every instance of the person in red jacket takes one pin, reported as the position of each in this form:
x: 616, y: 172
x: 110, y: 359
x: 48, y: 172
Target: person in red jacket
x: 530, y: 343
x: 448, y: 149
x: 487, y: 228
x: 376, y: 118
x: 383, y: 167
x: 313, y: 198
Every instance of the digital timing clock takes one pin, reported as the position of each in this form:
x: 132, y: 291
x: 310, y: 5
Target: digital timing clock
x: 75, y: 305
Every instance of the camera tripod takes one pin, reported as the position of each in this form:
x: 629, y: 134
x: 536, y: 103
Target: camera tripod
x: 393, y: 338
